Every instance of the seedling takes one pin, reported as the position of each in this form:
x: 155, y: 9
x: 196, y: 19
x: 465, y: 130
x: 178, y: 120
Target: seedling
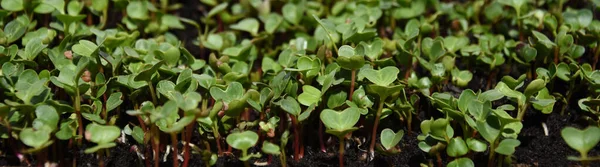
x: 243, y: 141
x: 69, y: 70
x: 382, y: 80
x: 70, y: 80
x: 524, y: 99
x: 349, y: 59
x: 103, y: 136
x: 582, y: 141
x: 339, y: 124
x: 389, y: 140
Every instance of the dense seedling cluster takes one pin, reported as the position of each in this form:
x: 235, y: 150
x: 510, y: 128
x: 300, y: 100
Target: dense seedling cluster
x: 261, y: 82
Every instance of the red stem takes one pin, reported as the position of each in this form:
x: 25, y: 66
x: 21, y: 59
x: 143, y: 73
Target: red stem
x: 408, y: 69
x: 341, y: 152
x: 219, y: 150
x: 100, y: 159
x: 80, y: 127
x: 186, y: 145
x: 296, y: 138
x: 143, y: 125
x: 155, y: 148
x: 301, y: 144
x: 374, y: 134
x: 175, y: 151
x: 439, y: 159
x: 321, y: 142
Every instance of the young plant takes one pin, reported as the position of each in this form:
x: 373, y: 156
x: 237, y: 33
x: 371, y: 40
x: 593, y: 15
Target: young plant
x: 243, y: 141
x: 568, y: 73
x: 382, y: 86
x: 349, y: 59
x: 524, y: 99
x: 291, y: 106
x: 103, y: 136
x: 339, y: 124
x: 39, y: 135
x: 389, y: 140
x: 582, y: 141
x: 70, y: 79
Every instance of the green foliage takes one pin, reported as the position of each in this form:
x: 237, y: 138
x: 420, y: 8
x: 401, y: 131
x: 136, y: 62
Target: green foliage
x: 581, y: 140
x: 339, y: 123
x: 253, y: 72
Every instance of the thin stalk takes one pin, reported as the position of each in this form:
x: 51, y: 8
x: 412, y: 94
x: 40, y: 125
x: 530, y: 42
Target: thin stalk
x: 246, y: 164
x: 175, y: 151
x: 439, y: 159
x: 500, y: 161
x: 100, y: 159
x: 586, y: 160
x: 522, y: 111
x: 492, y: 153
x: 301, y: 143
x: 321, y: 142
x: 205, y: 158
x: 353, y: 79
x: 104, y: 114
x: 341, y: 151
x: 89, y: 19
x: 296, y: 138
x: 568, y: 98
x: 409, y: 122
x: 156, y: 142
x: 143, y: 125
x: 78, y: 113
x: 186, y: 147
x: 489, y: 81
x: 596, y: 55
x: 330, y: 38
x: 409, y: 68
x: 520, y: 25
x: 374, y: 131
x: 282, y: 157
x: 218, y: 140
x: 152, y: 93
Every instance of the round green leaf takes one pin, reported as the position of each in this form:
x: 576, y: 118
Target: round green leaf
x: 534, y: 87
x: 349, y: 59
x: 476, y: 145
x: 581, y: 140
x: 102, y: 133
x: 12, y: 5
x: 34, y: 138
x: 46, y: 117
x: 382, y: 77
x: 507, y: 146
x: 137, y: 10
x: 390, y: 139
x: 461, y: 162
x: 342, y: 122
x: 457, y: 147
x: 310, y: 95
x: 250, y: 25
x: 242, y: 140
x: 270, y: 148
x: 291, y: 106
